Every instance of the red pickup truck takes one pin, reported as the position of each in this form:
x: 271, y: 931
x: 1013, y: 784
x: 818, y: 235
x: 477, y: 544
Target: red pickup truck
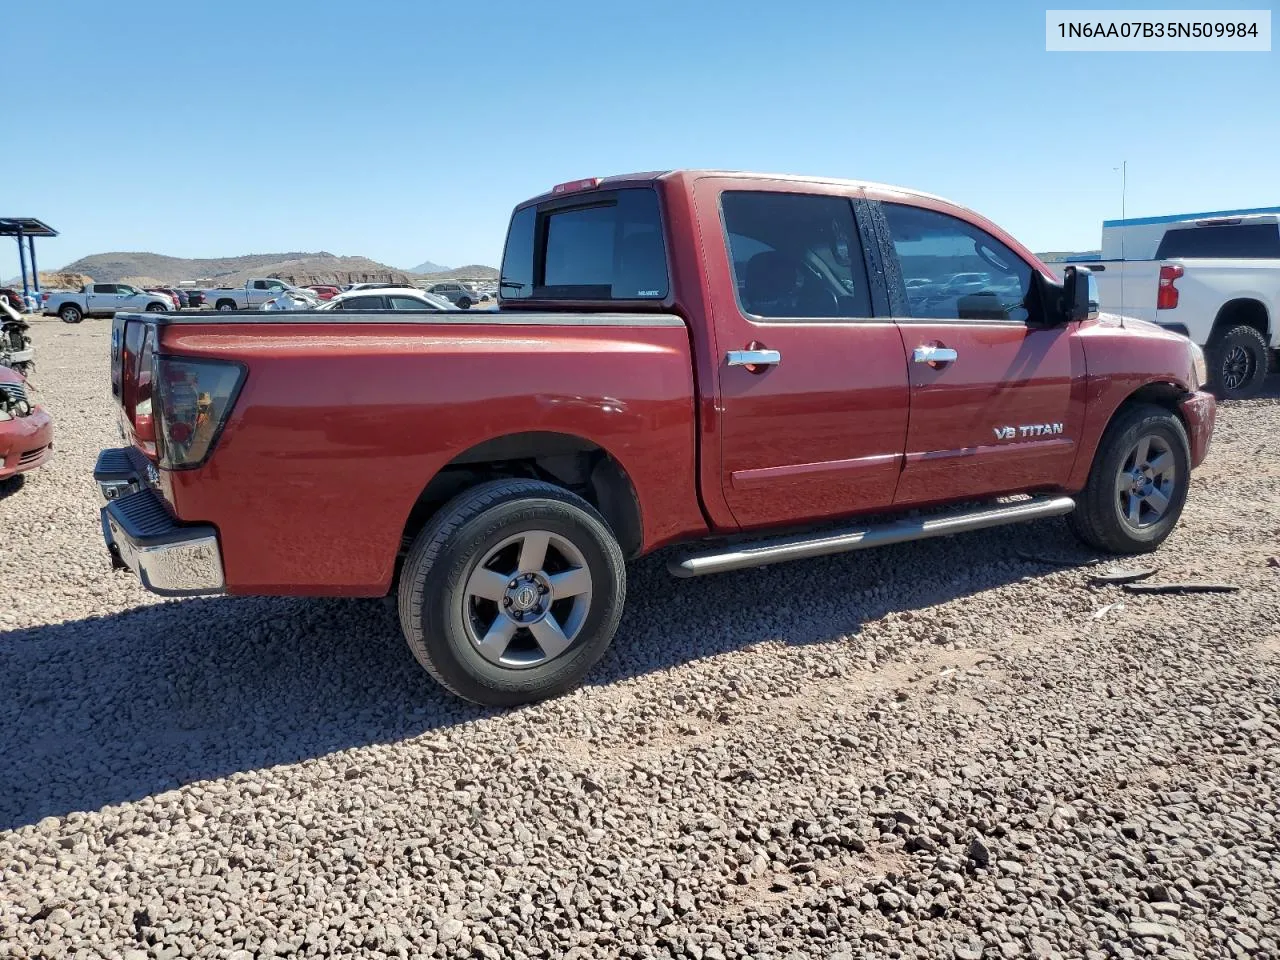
x: 761, y: 368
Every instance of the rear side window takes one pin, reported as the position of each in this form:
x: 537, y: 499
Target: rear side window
x: 1238, y: 241
x: 104, y: 288
x: 795, y: 256
x: 606, y: 246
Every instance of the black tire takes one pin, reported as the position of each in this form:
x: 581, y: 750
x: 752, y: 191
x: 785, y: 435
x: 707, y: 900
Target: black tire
x: 464, y: 303
x: 70, y: 313
x: 157, y: 308
x: 25, y: 367
x: 1099, y: 518
x: 437, y: 615
x: 1238, y: 363
x: 226, y: 305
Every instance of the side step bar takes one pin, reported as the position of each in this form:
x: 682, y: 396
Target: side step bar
x: 804, y: 546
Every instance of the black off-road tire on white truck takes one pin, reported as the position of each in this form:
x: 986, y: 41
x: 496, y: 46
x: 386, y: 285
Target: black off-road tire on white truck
x: 1138, y: 483
x: 512, y: 592
x: 1239, y: 360
x: 225, y: 306
x: 70, y: 313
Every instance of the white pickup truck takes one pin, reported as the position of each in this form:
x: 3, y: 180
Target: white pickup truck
x: 103, y: 300
x: 1214, y: 277
x: 252, y: 295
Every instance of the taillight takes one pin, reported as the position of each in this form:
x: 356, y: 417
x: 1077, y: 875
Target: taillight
x: 192, y: 399
x: 1167, y: 293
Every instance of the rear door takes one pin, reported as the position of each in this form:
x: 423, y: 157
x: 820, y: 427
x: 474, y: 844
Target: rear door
x: 997, y: 400
x: 812, y: 384
x: 101, y: 298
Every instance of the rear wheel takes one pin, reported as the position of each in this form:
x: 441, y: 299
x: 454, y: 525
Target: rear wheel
x: 226, y: 306
x: 70, y: 313
x: 157, y: 308
x: 1138, y: 483
x: 1238, y: 361
x: 512, y: 592
x: 464, y: 303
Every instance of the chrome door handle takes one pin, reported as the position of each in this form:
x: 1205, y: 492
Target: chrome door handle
x: 753, y: 358
x: 932, y: 354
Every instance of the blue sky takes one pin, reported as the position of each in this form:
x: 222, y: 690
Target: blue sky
x: 407, y: 131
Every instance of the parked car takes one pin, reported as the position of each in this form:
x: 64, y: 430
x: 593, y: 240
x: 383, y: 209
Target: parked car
x: 183, y: 299
x: 13, y: 298
x: 460, y: 294
x: 295, y: 298
x: 493, y: 471
x: 252, y: 295
x: 26, y: 429
x: 195, y: 298
x: 162, y: 292
x: 1213, y: 278
x: 390, y: 298
x: 104, y: 300
x: 324, y: 291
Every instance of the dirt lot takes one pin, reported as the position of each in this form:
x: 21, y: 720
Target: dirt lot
x: 938, y: 750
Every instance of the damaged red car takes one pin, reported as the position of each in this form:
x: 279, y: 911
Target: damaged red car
x: 26, y: 429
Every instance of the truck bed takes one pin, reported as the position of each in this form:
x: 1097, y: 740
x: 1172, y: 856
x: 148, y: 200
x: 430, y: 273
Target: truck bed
x: 397, y: 396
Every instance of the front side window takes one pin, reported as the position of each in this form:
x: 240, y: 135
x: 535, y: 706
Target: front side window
x: 409, y: 303
x: 604, y: 246
x: 952, y: 270
x: 364, y: 303
x: 795, y: 256
x: 127, y: 290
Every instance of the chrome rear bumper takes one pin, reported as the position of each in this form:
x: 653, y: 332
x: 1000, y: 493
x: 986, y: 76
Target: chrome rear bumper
x: 170, y: 558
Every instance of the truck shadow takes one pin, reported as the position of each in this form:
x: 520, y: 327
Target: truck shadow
x: 110, y: 709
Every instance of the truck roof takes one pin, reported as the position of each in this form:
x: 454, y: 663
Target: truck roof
x: 1178, y: 217
x: 652, y: 175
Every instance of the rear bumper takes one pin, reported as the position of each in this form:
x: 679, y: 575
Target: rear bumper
x: 1200, y: 411
x: 25, y: 442
x: 170, y: 558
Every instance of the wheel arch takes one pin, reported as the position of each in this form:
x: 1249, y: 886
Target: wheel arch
x: 570, y: 461
x: 1243, y: 310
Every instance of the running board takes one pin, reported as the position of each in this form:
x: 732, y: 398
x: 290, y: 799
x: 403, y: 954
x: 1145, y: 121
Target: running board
x: 804, y: 546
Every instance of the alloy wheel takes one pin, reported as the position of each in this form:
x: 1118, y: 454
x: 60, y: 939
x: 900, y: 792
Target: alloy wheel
x: 526, y: 601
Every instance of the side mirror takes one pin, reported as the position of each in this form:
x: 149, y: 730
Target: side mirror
x: 1080, y: 293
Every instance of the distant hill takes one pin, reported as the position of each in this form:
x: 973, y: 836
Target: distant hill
x: 426, y: 266
x: 1057, y: 256
x: 473, y: 270
x: 295, y: 267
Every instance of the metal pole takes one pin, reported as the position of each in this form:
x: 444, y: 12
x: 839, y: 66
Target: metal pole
x: 22, y: 262
x: 1124, y: 184
x: 35, y: 271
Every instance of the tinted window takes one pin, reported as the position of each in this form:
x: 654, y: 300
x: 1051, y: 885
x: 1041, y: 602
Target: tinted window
x: 795, y: 255
x: 1243, y: 241
x: 364, y: 303
x: 607, y: 246
x: 104, y: 288
x: 954, y: 271
x: 409, y: 303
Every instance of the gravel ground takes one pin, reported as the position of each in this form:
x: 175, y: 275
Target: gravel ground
x: 937, y: 750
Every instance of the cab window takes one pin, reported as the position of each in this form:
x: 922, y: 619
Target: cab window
x: 953, y: 270
x: 795, y: 256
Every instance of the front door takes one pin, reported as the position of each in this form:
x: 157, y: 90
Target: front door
x: 997, y: 399
x: 812, y: 386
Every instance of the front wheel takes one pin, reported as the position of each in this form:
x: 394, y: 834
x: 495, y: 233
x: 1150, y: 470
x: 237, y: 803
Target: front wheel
x: 70, y: 313
x: 464, y: 303
x: 1238, y: 363
x: 1138, y: 483
x: 512, y: 592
